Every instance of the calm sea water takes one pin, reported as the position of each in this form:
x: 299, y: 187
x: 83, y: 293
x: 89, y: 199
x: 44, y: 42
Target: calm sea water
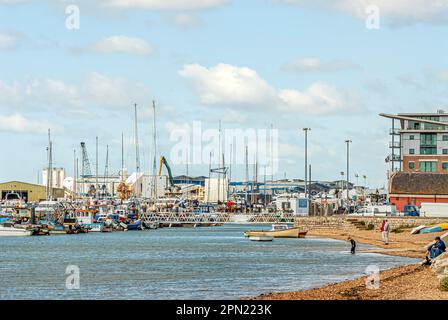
x: 177, y: 263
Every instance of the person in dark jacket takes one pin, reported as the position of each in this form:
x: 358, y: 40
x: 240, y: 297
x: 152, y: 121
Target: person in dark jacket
x: 437, y: 248
x: 353, y: 243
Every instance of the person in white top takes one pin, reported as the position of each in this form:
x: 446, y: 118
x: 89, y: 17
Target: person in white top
x: 385, y: 229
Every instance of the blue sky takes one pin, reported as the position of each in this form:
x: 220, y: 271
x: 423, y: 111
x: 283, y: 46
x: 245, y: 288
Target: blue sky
x: 251, y: 63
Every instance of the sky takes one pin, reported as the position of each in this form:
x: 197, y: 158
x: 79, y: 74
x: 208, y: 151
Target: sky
x: 246, y: 66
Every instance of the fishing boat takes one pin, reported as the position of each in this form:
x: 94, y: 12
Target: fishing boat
x: 261, y: 238
x: 87, y: 218
x: 136, y: 225
x: 278, y: 231
x: 11, y: 230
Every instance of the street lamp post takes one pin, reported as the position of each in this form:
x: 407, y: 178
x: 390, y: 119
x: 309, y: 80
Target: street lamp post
x: 357, y: 176
x: 348, y: 165
x: 306, y: 160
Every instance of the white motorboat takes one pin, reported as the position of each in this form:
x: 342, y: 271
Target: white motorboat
x: 10, y: 230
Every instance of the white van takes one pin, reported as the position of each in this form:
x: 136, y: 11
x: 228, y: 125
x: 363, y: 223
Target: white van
x: 434, y: 210
x: 372, y: 211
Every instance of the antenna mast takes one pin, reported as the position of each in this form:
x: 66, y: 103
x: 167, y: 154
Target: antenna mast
x: 137, y: 153
x: 154, y: 167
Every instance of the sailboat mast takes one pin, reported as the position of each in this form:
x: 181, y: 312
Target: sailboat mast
x: 106, y: 168
x: 122, y: 157
x: 74, y: 173
x: 154, y: 167
x: 219, y: 163
x: 50, y: 166
x: 96, y: 168
x: 137, y: 153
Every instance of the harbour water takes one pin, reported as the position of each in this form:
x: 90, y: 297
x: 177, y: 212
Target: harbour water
x: 176, y: 263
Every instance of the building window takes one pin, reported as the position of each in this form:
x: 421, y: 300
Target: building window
x: 445, y: 137
x: 411, y: 151
x: 445, y: 151
x: 428, y: 150
x: 411, y: 137
x: 428, y: 166
x: 445, y: 166
x: 428, y: 143
x: 411, y: 165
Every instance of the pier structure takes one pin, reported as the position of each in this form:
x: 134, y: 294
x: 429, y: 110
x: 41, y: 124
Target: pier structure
x: 188, y: 218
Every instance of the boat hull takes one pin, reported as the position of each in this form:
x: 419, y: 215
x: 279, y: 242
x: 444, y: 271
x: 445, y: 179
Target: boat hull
x: 287, y: 233
x: 11, y: 231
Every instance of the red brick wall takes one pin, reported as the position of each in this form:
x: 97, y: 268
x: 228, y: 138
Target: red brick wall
x: 416, y: 159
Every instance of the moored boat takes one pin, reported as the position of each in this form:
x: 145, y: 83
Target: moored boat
x: 278, y: 231
x: 11, y: 230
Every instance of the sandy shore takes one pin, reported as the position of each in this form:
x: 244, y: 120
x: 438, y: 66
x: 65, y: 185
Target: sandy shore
x: 407, y: 282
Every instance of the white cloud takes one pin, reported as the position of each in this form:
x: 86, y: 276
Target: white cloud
x: 122, y: 44
x: 316, y: 65
x: 115, y: 91
x: 163, y: 4
x: 8, y: 40
x: 18, y: 124
x: 95, y: 91
x: 241, y: 87
x: 187, y: 20
x: 398, y: 11
x: 441, y: 75
x: 318, y: 98
x: 225, y: 84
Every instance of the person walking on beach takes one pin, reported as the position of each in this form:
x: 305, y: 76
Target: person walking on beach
x: 353, y: 243
x: 385, y: 229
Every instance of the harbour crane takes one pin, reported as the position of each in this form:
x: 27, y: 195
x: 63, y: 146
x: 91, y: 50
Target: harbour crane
x: 86, y: 171
x: 168, y: 169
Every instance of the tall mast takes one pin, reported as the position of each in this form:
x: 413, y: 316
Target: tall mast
x: 74, y: 173
x: 122, y: 157
x: 247, y: 171
x: 137, y: 153
x: 77, y: 177
x: 106, y: 168
x: 96, y: 169
x: 230, y: 169
x: 272, y: 151
x: 50, y: 168
x: 209, y: 177
x: 154, y: 167
x: 219, y: 163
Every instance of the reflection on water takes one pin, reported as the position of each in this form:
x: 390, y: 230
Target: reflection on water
x: 178, y: 263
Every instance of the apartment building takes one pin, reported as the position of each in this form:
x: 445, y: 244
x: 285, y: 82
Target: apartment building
x: 419, y: 142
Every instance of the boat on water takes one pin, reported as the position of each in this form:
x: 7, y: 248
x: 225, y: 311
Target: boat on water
x: 278, y: 231
x: 136, y: 225
x: 11, y: 230
x: 87, y: 219
x: 261, y: 238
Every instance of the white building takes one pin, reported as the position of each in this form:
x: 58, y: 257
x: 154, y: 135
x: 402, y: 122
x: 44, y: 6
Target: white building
x: 147, y: 182
x: 296, y: 204
x: 57, y: 177
x: 216, y: 190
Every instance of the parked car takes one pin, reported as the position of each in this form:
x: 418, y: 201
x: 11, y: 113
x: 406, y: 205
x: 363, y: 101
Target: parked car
x: 372, y: 211
x: 411, y: 210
